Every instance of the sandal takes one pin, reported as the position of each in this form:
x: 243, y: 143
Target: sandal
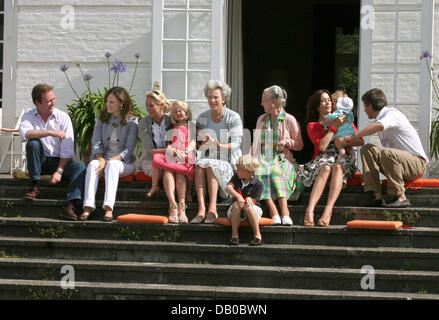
x: 211, y: 218
x: 309, y: 222
x: 197, y: 220
x: 85, y: 214
x: 234, y: 241
x: 256, y: 242
x: 108, y: 217
x: 182, y: 213
x: 323, y: 223
x: 153, y: 191
x: 173, y: 218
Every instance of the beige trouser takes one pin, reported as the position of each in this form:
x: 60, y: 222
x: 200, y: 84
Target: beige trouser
x: 398, y: 166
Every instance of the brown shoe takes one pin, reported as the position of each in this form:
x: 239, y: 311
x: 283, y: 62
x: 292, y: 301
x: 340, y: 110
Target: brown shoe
x: 68, y: 213
x: 256, y: 242
x: 32, y: 194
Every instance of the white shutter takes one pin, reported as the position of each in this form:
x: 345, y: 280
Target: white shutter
x: 188, y: 48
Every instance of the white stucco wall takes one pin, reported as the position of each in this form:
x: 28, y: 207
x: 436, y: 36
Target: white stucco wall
x: 43, y: 45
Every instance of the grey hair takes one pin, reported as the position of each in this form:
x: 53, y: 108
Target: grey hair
x: 279, y: 94
x: 218, y: 84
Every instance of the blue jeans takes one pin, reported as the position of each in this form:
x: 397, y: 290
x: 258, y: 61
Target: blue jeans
x: 38, y: 164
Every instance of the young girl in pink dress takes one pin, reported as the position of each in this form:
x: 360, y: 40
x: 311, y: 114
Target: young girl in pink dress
x: 178, y: 161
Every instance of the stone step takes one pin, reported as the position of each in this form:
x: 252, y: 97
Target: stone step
x: 268, y: 255
x: 134, y: 191
x: 221, y: 275
x: 51, y: 290
x: 49, y: 208
x: 216, y: 234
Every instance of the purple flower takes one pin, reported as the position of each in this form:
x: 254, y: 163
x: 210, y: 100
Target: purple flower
x: 118, y: 66
x: 426, y: 54
x: 107, y: 54
x: 137, y: 55
x: 88, y: 77
x: 64, y: 68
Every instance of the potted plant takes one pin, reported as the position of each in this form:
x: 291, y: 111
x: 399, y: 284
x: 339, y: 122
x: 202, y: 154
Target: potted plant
x: 85, y: 108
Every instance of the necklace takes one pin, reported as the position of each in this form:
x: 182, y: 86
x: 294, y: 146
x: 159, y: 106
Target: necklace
x: 221, y: 115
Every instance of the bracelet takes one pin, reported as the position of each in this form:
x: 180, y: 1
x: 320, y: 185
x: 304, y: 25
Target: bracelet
x: 333, y: 129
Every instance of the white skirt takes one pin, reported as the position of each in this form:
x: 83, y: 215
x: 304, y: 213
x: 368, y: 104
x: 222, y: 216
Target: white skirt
x: 222, y: 170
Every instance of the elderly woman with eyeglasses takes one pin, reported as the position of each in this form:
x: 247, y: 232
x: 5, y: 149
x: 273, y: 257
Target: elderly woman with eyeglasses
x: 277, y: 134
x: 220, y: 132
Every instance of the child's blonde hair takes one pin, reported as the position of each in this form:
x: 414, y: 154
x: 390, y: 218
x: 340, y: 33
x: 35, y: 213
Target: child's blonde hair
x: 248, y: 162
x: 338, y: 94
x: 181, y: 104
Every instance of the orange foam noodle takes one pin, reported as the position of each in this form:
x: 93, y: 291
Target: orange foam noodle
x: 142, y: 218
x: 25, y: 175
x: 356, y: 180
x: 123, y: 179
x: 140, y: 176
x: 127, y: 179
x: 419, y: 183
x: 373, y: 224
x: 245, y: 223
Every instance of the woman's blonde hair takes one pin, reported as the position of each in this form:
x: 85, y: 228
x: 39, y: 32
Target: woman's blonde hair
x: 160, y: 97
x: 181, y: 104
x: 248, y: 162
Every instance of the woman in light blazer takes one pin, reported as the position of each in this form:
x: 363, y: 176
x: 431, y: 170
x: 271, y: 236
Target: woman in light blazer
x: 113, y: 143
x: 152, y: 134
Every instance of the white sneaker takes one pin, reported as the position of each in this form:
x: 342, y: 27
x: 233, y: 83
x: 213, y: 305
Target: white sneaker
x: 276, y: 220
x: 286, y: 221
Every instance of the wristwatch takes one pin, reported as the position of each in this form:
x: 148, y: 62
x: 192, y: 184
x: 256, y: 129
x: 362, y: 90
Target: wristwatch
x: 60, y: 171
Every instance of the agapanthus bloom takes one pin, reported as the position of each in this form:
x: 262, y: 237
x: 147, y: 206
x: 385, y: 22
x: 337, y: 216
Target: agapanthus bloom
x: 118, y: 66
x: 107, y: 54
x: 64, y: 68
x: 426, y: 54
x: 88, y: 77
x: 137, y: 55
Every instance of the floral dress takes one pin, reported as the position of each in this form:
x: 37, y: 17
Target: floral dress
x: 309, y: 171
x: 277, y: 173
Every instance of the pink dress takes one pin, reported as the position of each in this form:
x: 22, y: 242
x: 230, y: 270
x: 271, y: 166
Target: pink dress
x: 186, y: 166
